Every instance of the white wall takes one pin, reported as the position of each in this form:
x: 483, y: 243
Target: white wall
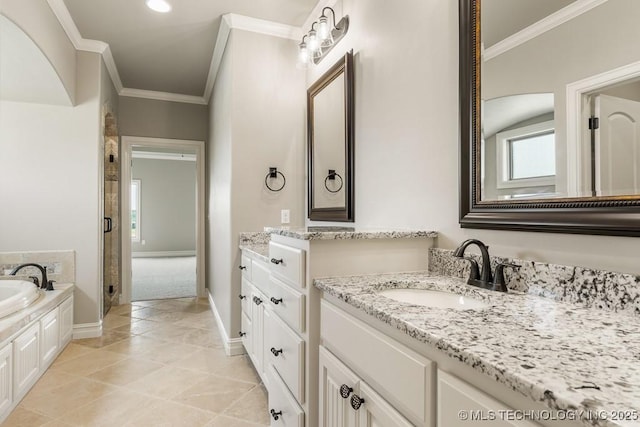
x: 407, y: 126
x: 167, y: 205
x: 36, y: 18
x: 50, y: 180
x: 257, y: 121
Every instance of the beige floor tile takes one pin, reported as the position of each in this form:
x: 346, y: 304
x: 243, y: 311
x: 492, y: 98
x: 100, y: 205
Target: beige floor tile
x: 126, y: 371
x: 136, y: 346
x: 213, y: 393
x: 137, y: 327
x: 90, y: 362
x: 69, y: 397
x: 107, y: 338
x: 202, y: 338
x: 170, y: 414
x: 114, y: 409
x: 215, y: 361
x: 122, y: 309
x: 112, y: 321
x: 225, y: 421
x: 53, y: 378
x: 72, y: 351
x: 200, y: 321
x: 166, y: 382
x: 56, y: 423
x: 22, y: 417
x: 253, y: 406
x: 145, y: 313
x: 169, y: 332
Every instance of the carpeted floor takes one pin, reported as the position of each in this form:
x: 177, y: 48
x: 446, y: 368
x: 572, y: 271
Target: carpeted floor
x: 161, y: 278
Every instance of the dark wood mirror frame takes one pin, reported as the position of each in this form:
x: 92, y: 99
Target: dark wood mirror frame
x: 346, y: 213
x: 619, y: 216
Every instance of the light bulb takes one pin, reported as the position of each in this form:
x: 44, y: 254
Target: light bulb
x: 158, y: 5
x: 313, y: 42
x: 323, y: 28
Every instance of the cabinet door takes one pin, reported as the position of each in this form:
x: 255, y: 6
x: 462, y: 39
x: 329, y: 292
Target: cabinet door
x: 6, y: 392
x: 66, y: 321
x: 376, y: 412
x: 247, y: 334
x: 50, y: 337
x: 336, y: 382
x: 456, y: 397
x: 26, y: 357
x: 258, y: 301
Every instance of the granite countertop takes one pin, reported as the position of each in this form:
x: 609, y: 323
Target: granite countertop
x: 347, y: 233
x: 563, y: 355
x: 260, y: 251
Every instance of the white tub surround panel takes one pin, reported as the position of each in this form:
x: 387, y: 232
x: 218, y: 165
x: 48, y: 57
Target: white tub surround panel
x: 60, y: 264
x: 562, y: 355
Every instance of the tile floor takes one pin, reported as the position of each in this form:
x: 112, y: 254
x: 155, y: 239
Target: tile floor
x: 158, y: 363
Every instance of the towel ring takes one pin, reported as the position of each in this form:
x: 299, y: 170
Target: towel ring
x: 332, y: 176
x: 273, y: 173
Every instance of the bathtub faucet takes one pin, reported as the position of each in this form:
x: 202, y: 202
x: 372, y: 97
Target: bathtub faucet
x: 45, y: 284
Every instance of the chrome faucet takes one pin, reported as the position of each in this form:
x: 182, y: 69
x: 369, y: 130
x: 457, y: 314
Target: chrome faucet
x: 45, y: 284
x: 486, y: 279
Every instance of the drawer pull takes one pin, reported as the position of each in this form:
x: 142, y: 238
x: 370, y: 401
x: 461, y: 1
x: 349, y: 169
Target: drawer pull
x: 242, y: 296
x: 242, y: 334
x: 276, y: 261
x: 276, y: 415
x: 276, y: 301
x: 257, y: 300
x: 275, y: 352
x: 356, y: 402
x: 242, y: 267
x: 345, y: 391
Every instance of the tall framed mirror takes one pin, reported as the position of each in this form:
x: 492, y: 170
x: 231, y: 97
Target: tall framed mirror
x: 550, y: 116
x: 330, y: 151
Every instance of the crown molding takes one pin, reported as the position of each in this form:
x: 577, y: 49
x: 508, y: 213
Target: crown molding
x: 229, y: 21
x: 163, y: 96
x: 548, y: 23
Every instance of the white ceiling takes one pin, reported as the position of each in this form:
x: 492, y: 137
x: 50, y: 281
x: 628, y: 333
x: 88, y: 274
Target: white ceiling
x: 171, y: 52
x: 503, y: 18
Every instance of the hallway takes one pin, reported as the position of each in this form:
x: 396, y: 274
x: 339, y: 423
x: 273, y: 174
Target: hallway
x: 158, y: 363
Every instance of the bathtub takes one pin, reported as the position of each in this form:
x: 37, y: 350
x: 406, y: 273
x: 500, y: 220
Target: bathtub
x: 16, y: 295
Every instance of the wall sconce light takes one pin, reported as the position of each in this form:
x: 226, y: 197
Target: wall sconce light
x: 318, y: 41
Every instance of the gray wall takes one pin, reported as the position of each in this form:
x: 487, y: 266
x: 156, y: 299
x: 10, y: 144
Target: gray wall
x: 163, y: 119
x: 167, y: 205
x: 257, y: 121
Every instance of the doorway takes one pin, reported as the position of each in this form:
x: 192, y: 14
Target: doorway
x: 163, y: 218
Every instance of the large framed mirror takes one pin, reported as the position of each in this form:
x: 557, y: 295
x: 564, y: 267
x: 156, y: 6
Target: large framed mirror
x: 330, y: 133
x: 550, y: 116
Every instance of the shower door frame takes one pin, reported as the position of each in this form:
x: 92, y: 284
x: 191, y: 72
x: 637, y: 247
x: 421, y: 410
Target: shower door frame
x: 128, y: 142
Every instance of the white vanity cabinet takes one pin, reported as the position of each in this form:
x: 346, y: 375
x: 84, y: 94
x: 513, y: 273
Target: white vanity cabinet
x: 26, y: 355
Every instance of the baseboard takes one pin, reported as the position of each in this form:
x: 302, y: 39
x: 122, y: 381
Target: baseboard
x: 232, y: 346
x: 87, y: 330
x: 162, y: 254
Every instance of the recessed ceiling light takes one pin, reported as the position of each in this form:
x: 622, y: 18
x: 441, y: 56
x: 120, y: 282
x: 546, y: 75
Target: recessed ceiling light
x: 158, y: 5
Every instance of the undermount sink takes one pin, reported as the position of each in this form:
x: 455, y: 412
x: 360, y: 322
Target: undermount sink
x: 435, y: 299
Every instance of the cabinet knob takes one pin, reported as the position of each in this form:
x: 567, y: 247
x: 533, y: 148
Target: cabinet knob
x: 242, y: 267
x: 242, y: 333
x: 275, y: 352
x: 276, y: 261
x: 276, y: 301
x: 345, y: 391
x: 257, y: 300
x: 356, y: 401
x: 242, y: 296
x: 276, y: 415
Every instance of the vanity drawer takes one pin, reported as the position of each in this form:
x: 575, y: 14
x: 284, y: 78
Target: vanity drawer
x: 245, y: 266
x: 402, y: 376
x: 287, y: 264
x: 288, y: 304
x: 282, y: 404
x: 260, y: 277
x: 284, y: 349
x: 245, y: 297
